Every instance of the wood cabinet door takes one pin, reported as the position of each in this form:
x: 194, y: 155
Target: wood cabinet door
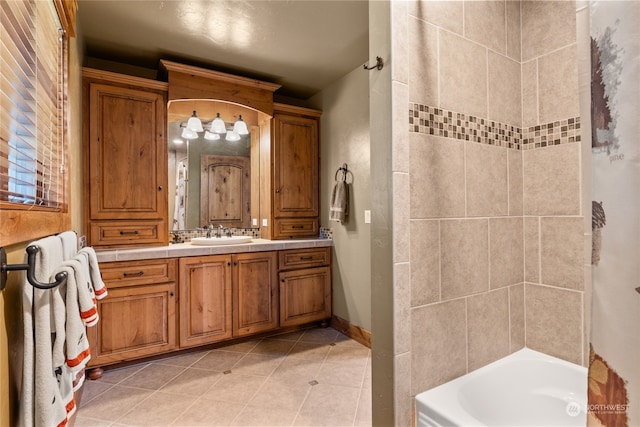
x: 305, y: 295
x: 295, y: 175
x: 225, y: 191
x: 255, y: 292
x: 205, y: 300
x: 127, y: 153
x: 135, y: 321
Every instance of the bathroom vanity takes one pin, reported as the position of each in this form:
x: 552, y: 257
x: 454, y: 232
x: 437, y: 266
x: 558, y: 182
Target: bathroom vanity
x: 164, y: 299
x: 146, y: 180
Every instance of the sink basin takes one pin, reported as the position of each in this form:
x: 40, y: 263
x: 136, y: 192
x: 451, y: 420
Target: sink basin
x: 215, y: 241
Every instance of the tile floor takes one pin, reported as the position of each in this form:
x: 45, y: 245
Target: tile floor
x: 305, y: 378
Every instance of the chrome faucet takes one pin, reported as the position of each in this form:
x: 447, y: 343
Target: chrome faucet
x: 219, y: 231
x: 209, y: 228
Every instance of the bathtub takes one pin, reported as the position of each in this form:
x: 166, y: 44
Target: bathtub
x: 526, y: 388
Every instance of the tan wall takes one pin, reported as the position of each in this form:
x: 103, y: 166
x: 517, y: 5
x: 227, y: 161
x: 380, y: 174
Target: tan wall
x: 345, y: 139
x: 10, y: 302
x: 488, y: 228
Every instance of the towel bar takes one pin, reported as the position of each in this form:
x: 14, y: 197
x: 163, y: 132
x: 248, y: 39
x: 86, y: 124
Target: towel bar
x: 30, y: 267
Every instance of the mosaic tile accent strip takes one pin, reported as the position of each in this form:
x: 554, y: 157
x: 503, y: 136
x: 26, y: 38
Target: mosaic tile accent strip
x: 556, y: 133
x: 449, y: 124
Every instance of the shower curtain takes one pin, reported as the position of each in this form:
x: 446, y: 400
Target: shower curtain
x: 614, y: 364
x: 179, y: 211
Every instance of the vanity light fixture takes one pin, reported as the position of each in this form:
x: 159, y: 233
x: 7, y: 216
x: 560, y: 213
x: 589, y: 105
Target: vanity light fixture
x: 189, y: 134
x: 218, y: 126
x: 240, y: 127
x: 215, y: 129
x: 194, y: 123
x: 232, y: 135
x: 211, y: 136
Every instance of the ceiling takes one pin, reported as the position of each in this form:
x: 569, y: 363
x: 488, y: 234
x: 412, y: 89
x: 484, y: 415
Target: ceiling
x: 303, y: 45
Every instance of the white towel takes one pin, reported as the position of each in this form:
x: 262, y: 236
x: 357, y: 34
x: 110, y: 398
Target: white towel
x: 41, y: 402
x: 339, y: 207
x: 75, y: 351
x: 99, y: 288
x: 69, y: 244
x: 86, y: 295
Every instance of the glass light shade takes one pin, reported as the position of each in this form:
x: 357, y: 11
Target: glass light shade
x: 232, y: 136
x: 189, y: 134
x: 240, y: 127
x: 194, y: 123
x: 217, y: 125
x: 211, y: 136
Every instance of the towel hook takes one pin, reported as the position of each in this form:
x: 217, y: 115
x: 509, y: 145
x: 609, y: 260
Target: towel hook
x: 378, y: 66
x: 344, y: 171
x: 30, y: 267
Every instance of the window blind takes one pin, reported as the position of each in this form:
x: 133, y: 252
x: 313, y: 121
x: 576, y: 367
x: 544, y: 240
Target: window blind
x: 32, y: 79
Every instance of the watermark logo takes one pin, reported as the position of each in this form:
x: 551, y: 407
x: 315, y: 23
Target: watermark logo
x: 573, y: 409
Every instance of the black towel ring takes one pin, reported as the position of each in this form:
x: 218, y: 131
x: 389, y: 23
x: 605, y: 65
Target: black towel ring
x: 344, y: 171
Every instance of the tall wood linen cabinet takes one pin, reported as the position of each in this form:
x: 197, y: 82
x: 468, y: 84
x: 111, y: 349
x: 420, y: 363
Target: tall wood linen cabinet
x: 295, y: 179
x: 125, y: 157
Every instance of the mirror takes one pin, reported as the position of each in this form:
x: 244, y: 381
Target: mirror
x: 216, y: 181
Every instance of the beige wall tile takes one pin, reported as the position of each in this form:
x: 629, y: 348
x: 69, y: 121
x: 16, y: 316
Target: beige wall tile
x: 402, y: 307
x: 562, y: 253
x: 487, y: 188
x: 530, y: 93
x: 505, y: 91
x: 552, y: 180
x: 402, y: 376
x: 400, y: 42
x: 446, y: 14
x: 554, y: 321
x: 513, y: 30
x: 558, y: 96
x: 515, y: 182
x: 464, y: 247
x: 400, y: 146
x: 401, y: 217
x: 547, y: 26
x: 488, y: 327
x: 516, y: 315
x: 436, y: 168
x: 425, y: 262
x: 423, y: 62
x: 485, y: 23
x: 506, y: 243
x: 438, y: 344
x: 463, y: 75
x: 532, y: 249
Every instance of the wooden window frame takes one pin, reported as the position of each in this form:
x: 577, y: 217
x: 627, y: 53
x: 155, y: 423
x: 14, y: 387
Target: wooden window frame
x: 19, y: 224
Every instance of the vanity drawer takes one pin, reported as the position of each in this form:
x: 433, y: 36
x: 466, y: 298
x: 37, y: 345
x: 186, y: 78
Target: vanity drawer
x: 126, y: 233
x: 128, y: 273
x: 291, y: 228
x: 303, y: 258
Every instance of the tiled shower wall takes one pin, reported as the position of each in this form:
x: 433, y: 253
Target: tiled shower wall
x: 495, y: 221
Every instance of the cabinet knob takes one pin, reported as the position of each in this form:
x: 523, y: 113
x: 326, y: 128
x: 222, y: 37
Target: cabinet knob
x: 170, y: 294
x: 277, y: 190
x: 160, y: 188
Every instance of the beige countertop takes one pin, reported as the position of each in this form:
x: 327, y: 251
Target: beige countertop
x: 187, y: 249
